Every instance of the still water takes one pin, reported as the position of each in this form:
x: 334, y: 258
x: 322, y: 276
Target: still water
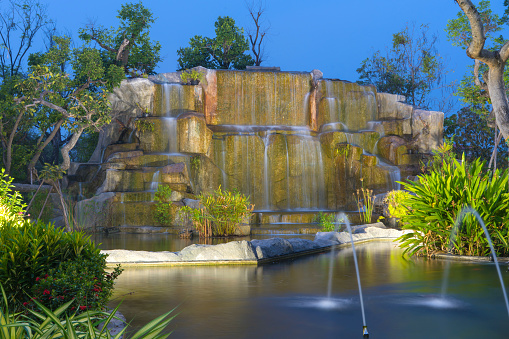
x: 288, y: 299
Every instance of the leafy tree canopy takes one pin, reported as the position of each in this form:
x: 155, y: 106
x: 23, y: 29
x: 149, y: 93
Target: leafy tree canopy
x: 411, y: 67
x: 129, y: 45
x: 225, y: 51
x: 76, y: 101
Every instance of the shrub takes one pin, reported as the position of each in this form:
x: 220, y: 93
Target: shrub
x: 221, y: 214
x: 440, y: 196
x: 395, y: 200
x: 11, y: 202
x: 81, y: 279
x: 58, y: 324
x: 164, y: 214
x: 191, y: 76
x: 326, y: 220
x: 365, y: 203
x: 33, y: 253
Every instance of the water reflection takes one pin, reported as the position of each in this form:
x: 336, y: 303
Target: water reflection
x: 286, y: 299
x: 167, y: 242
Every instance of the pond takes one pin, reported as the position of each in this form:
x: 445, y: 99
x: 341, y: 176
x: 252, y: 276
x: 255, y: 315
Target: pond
x: 289, y: 299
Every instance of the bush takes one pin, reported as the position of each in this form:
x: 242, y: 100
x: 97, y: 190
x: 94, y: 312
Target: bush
x: 395, y: 201
x: 164, y: 214
x: 59, y: 324
x: 11, y: 202
x: 221, y: 214
x: 327, y: 221
x: 36, y: 258
x: 440, y: 196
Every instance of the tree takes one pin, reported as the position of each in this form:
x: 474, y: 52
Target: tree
x: 472, y: 136
x: 257, y: 35
x: 20, y: 22
x: 77, y: 101
x: 412, y: 67
x: 129, y: 45
x: 225, y: 51
x: 494, y: 58
x: 473, y: 89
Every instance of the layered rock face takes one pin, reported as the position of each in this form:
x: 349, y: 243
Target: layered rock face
x: 291, y: 141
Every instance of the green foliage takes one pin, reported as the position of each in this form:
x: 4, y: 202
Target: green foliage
x: 143, y: 125
x: 59, y: 324
x: 395, y: 201
x: 11, y: 202
x: 473, y: 137
x: 127, y: 47
x: 440, y: 196
x: 326, y: 220
x: 195, y: 163
x: 224, y: 51
x: 459, y: 32
x: 442, y: 154
x: 221, y: 214
x: 412, y: 67
x: 164, y: 213
x: 365, y: 203
x: 191, y: 76
x: 81, y: 279
x: 32, y: 250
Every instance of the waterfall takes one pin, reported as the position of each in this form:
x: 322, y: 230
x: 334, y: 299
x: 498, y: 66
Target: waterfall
x: 266, y: 183
x: 393, y: 174
x: 172, y: 100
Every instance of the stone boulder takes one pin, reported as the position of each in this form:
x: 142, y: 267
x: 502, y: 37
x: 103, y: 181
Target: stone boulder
x: 127, y: 101
x: 274, y: 247
x: 300, y: 245
x: 95, y: 214
x: 428, y: 126
x: 234, y: 250
x: 125, y: 256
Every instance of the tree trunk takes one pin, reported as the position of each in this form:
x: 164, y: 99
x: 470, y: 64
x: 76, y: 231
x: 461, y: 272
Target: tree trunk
x: 498, y: 98
x: 68, y: 147
x: 41, y: 147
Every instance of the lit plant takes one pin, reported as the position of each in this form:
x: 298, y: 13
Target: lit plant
x: 53, y: 265
x: 326, y: 221
x: 61, y: 323
x: 11, y: 202
x: 220, y: 214
x: 190, y: 76
x: 143, y: 125
x: 365, y: 203
x: 396, y: 206
x: 440, y: 195
x: 164, y: 213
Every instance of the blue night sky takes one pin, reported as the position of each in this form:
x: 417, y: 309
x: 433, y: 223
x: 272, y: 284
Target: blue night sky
x: 332, y: 36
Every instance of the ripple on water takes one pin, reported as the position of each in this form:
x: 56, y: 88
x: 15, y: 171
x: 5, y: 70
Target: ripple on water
x: 320, y: 303
x: 433, y: 301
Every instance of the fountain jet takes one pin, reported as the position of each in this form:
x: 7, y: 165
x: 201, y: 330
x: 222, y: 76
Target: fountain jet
x: 453, y: 235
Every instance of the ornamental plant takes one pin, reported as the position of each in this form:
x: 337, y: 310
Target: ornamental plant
x: 52, y: 266
x: 58, y: 324
x: 11, y: 202
x: 164, y: 213
x: 396, y: 207
x: 221, y: 213
x: 365, y: 203
x: 439, y: 196
x: 326, y: 221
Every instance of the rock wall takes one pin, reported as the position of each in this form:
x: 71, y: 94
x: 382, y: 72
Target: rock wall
x: 291, y: 141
